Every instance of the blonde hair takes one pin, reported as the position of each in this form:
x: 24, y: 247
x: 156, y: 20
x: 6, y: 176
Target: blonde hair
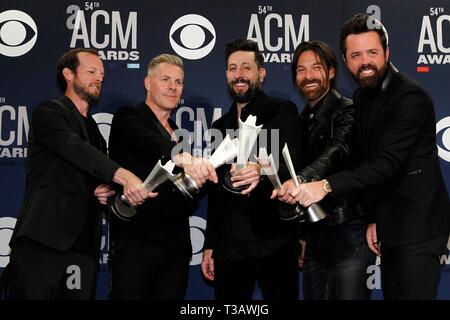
x: 164, y: 58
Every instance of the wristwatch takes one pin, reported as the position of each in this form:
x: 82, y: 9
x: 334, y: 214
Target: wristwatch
x: 326, y: 186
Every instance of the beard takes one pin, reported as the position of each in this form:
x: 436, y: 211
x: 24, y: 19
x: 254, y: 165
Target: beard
x: 85, y: 94
x: 315, y: 94
x: 243, y: 97
x: 371, y: 81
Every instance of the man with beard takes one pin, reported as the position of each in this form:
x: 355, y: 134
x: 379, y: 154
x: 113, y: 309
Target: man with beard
x: 336, y: 255
x: 399, y: 173
x: 246, y: 241
x: 56, y: 241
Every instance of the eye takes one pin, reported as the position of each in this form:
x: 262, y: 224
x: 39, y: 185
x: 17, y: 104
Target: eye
x: 18, y: 33
x: 192, y: 36
x: 443, y: 138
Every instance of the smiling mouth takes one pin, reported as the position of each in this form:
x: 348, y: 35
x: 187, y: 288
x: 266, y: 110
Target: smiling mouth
x: 240, y: 85
x: 170, y: 96
x: 310, y: 85
x: 367, y: 72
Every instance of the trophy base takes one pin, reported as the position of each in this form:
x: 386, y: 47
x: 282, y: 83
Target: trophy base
x: 186, y: 184
x: 312, y: 214
x: 228, y: 185
x: 291, y: 212
x: 120, y: 208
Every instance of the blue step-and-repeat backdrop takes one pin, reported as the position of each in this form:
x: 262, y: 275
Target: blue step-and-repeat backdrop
x: 34, y: 34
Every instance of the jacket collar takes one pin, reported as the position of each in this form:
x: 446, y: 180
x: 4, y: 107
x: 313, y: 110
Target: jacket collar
x: 324, y: 107
x: 149, y: 114
x: 65, y: 101
x: 253, y: 107
x: 390, y: 73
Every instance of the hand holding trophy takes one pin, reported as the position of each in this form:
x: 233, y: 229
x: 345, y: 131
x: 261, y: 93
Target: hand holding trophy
x: 226, y: 151
x: 159, y: 174
x: 314, y: 213
x: 248, y: 132
x: 287, y: 212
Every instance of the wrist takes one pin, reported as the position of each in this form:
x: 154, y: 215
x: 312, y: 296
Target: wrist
x: 119, y: 176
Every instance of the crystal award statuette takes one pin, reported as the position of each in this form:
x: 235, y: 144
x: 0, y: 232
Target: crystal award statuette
x: 226, y: 151
x: 287, y: 211
x: 121, y: 207
x: 248, y: 132
x: 268, y: 167
x: 314, y: 212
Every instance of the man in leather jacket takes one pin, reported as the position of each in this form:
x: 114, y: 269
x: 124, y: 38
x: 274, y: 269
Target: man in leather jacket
x: 398, y: 174
x: 336, y: 253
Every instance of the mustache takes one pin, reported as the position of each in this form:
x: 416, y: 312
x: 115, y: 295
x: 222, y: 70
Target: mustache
x: 240, y: 80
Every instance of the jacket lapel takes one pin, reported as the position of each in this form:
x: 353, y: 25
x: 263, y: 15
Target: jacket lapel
x: 68, y: 104
x: 380, y: 102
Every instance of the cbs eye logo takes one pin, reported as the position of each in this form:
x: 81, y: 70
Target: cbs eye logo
x: 18, y: 33
x: 444, y: 136
x: 198, y: 226
x: 192, y: 36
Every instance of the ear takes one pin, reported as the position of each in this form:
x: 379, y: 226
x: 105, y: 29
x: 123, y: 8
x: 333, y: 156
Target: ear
x: 147, y: 83
x: 331, y: 73
x: 343, y: 58
x: 68, y: 74
x: 387, y: 54
x: 262, y: 74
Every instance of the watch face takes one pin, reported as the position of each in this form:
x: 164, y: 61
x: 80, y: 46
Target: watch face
x: 326, y: 186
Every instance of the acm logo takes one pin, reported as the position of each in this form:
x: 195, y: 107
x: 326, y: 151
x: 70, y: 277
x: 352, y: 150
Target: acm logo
x: 18, y: 33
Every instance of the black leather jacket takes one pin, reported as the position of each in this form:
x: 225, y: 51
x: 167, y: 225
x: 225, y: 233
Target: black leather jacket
x: 325, y: 149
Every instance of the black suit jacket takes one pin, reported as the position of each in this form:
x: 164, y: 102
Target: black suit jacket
x: 137, y: 141
x: 400, y: 173
x: 63, y: 170
x: 243, y: 226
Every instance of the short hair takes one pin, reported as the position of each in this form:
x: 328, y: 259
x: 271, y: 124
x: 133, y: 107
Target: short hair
x: 244, y: 45
x: 70, y: 60
x: 323, y: 52
x: 164, y: 58
x: 358, y: 24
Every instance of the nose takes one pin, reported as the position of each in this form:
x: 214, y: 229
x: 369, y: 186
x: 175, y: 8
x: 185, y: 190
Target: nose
x: 365, y: 59
x: 308, y: 74
x: 172, y: 85
x: 100, y: 77
x: 239, y: 73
